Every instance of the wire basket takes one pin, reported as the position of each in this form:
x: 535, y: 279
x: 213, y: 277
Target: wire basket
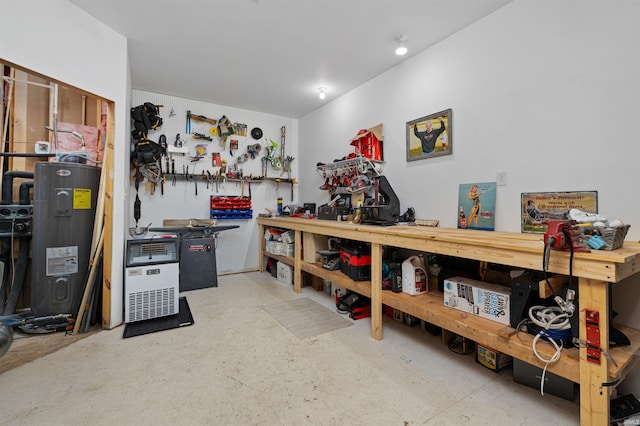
x: 602, y: 237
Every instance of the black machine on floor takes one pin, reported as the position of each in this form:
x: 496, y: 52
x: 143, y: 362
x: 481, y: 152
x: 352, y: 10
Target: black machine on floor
x: 384, y: 208
x: 197, y: 254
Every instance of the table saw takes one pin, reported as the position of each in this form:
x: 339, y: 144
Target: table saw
x: 197, y: 252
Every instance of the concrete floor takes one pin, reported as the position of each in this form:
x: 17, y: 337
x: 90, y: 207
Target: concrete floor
x: 238, y: 366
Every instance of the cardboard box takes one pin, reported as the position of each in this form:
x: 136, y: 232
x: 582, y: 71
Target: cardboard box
x: 492, y: 359
x: 285, y: 273
x: 486, y: 300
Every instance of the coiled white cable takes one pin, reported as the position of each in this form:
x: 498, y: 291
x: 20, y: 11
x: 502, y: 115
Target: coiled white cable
x: 548, y: 318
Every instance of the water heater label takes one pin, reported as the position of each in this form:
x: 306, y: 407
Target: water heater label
x: 81, y: 199
x: 62, y: 260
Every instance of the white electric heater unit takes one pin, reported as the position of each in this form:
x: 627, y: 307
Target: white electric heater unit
x: 152, y: 279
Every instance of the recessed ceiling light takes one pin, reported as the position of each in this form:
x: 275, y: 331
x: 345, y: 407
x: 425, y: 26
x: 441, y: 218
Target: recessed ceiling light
x: 322, y: 92
x: 401, y: 49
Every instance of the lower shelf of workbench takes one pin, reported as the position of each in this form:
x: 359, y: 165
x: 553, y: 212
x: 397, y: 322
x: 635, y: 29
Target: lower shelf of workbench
x: 430, y: 307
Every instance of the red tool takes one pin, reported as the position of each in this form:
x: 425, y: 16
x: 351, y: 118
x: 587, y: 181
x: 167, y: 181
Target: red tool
x: 558, y: 235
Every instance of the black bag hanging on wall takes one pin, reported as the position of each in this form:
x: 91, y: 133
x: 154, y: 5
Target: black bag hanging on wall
x: 145, y: 117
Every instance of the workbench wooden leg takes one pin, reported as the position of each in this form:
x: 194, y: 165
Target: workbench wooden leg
x: 261, y: 245
x: 376, y: 291
x: 297, y: 262
x: 594, y: 398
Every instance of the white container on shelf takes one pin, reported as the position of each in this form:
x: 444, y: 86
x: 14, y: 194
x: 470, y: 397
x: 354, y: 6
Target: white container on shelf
x: 414, y: 276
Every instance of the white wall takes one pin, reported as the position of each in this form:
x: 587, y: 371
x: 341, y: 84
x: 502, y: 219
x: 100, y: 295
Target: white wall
x: 542, y: 89
x: 56, y: 39
x: 546, y: 90
x: 237, y: 249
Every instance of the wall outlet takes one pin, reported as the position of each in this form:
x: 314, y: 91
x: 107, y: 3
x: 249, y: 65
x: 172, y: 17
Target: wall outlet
x: 501, y: 177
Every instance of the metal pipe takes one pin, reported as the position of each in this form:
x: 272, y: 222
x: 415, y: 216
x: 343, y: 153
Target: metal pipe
x: 24, y: 198
x: 20, y: 275
x: 7, y: 184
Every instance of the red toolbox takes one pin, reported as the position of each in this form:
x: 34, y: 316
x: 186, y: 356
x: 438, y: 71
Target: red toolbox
x: 355, y: 261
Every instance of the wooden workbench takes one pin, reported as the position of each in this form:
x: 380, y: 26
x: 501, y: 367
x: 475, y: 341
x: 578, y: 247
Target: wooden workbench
x: 594, y: 271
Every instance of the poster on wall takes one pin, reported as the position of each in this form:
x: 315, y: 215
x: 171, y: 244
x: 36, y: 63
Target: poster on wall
x: 477, y: 206
x: 536, y: 207
x: 429, y: 136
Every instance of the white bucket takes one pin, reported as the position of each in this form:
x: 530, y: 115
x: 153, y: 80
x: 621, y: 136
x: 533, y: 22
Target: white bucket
x: 414, y: 276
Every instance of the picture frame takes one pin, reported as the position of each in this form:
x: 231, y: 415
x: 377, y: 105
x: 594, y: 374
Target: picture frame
x: 477, y: 206
x: 427, y: 139
x: 538, y: 207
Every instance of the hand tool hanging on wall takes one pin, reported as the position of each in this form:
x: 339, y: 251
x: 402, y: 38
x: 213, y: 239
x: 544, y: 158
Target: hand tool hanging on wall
x: 283, y: 131
x: 178, y: 142
x: 254, y: 150
x: 224, y: 130
x: 136, y: 208
x: 209, y: 180
x: 197, y: 135
x: 162, y: 141
x: 199, y: 118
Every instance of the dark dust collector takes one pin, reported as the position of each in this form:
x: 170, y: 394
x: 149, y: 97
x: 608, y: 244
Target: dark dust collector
x: 64, y: 209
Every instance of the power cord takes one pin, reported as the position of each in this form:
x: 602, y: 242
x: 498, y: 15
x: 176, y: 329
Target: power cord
x: 553, y: 323
x: 582, y: 344
x: 13, y: 259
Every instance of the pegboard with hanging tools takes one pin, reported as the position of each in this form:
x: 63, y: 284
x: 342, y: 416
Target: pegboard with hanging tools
x: 211, y: 154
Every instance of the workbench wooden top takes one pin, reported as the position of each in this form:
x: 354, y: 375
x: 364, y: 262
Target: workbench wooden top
x: 508, y: 248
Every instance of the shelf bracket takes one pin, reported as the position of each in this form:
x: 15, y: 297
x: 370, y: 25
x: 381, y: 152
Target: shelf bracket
x: 593, y: 336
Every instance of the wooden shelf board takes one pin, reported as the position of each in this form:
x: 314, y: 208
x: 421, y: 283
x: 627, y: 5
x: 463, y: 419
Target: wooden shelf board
x: 284, y: 259
x: 430, y: 307
x: 337, y: 277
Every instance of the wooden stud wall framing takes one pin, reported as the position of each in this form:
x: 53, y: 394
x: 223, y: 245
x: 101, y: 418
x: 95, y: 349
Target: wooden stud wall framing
x: 33, y: 102
x: 107, y: 169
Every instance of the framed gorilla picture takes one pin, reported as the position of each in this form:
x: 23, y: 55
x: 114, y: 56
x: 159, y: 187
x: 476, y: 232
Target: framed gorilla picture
x: 429, y: 136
